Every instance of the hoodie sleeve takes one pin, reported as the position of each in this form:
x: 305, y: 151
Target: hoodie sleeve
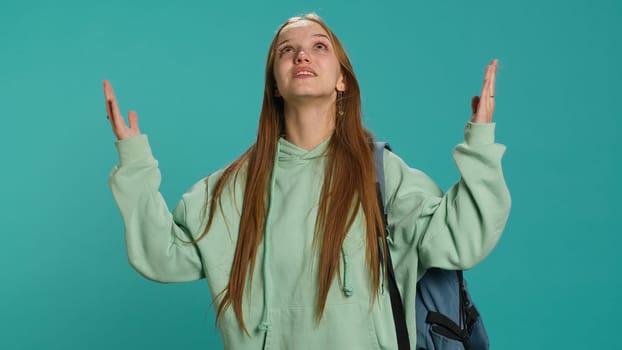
x: 456, y: 229
x: 155, y: 237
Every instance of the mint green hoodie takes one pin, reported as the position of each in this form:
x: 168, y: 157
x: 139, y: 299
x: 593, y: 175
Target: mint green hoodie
x: 427, y: 228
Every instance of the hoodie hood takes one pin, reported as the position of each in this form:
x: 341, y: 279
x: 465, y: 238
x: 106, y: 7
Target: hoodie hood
x: 288, y: 152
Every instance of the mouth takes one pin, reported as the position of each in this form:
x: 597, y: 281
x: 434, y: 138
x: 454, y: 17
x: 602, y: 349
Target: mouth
x: 304, y: 73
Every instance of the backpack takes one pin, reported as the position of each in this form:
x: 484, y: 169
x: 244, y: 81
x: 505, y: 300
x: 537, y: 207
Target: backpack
x: 446, y: 316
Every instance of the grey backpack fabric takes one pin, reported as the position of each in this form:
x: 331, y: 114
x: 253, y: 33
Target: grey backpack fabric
x: 446, y: 316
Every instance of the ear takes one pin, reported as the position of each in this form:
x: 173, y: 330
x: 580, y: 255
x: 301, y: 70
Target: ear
x: 341, y: 83
x: 277, y: 93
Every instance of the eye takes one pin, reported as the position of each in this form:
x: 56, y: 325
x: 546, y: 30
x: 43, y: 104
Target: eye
x: 321, y: 46
x: 285, y: 50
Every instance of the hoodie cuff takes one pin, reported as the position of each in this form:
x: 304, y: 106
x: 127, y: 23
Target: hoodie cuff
x: 479, y: 134
x: 133, y: 149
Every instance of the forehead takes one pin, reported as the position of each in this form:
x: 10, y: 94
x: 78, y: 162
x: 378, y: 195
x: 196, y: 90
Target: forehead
x: 301, y: 29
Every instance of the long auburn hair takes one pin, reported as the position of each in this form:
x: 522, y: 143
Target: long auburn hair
x: 349, y: 186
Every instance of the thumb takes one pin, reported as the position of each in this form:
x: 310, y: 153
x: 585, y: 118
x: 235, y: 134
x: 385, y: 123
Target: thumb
x: 133, y: 119
x: 474, y: 104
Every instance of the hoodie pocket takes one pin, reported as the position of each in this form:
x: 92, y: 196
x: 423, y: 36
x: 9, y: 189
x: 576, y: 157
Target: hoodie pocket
x: 343, y: 326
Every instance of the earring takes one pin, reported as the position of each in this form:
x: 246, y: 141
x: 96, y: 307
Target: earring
x: 340, y: 110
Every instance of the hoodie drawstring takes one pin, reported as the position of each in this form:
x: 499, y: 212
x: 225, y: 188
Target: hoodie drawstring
x: 382, y: 269
x: 347, y: 290
x: 267, y: 277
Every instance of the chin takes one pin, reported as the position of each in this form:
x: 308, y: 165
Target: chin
x: 308, y: 93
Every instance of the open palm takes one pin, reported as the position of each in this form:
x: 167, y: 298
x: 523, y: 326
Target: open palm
x: 483, y: 105
x: 120, y: 129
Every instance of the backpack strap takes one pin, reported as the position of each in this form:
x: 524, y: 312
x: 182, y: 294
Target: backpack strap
x: 468, y: 312
x: 397, y: 306
x: 379, y: 148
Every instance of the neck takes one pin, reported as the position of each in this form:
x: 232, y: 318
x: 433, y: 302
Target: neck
x: 309, y: 124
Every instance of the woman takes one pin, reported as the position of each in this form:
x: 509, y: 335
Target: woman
x: 286, y: 234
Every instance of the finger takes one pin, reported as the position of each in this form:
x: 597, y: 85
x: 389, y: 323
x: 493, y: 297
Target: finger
x: 493, y: 77
x: 107, y: 98
x: 490, y: 103
x: 133, y: 119
x: 116, y: 119
x: 111, y: 101
x: 484, y: 94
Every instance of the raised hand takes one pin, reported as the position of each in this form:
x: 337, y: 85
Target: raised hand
x: 483, y: 105
x: 120, y: 129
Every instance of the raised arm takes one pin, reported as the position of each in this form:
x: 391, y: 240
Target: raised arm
x: 456, y: 229
x: 155, y: 237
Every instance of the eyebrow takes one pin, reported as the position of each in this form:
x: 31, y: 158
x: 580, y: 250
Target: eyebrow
x: 314, y: 35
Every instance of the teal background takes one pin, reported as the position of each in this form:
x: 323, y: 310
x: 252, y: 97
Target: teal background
x: 193, y: 71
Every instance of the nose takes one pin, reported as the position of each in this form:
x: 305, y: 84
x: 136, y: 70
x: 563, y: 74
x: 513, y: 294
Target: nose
x: 301, y: 57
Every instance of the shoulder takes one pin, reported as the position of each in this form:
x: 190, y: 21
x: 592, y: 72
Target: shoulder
x: 207, y: 184
x: 396, y: 169
x: 205, y: 187
x: 402, y: 180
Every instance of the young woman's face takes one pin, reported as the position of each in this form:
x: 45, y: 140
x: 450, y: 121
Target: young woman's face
x: 305, y: 64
